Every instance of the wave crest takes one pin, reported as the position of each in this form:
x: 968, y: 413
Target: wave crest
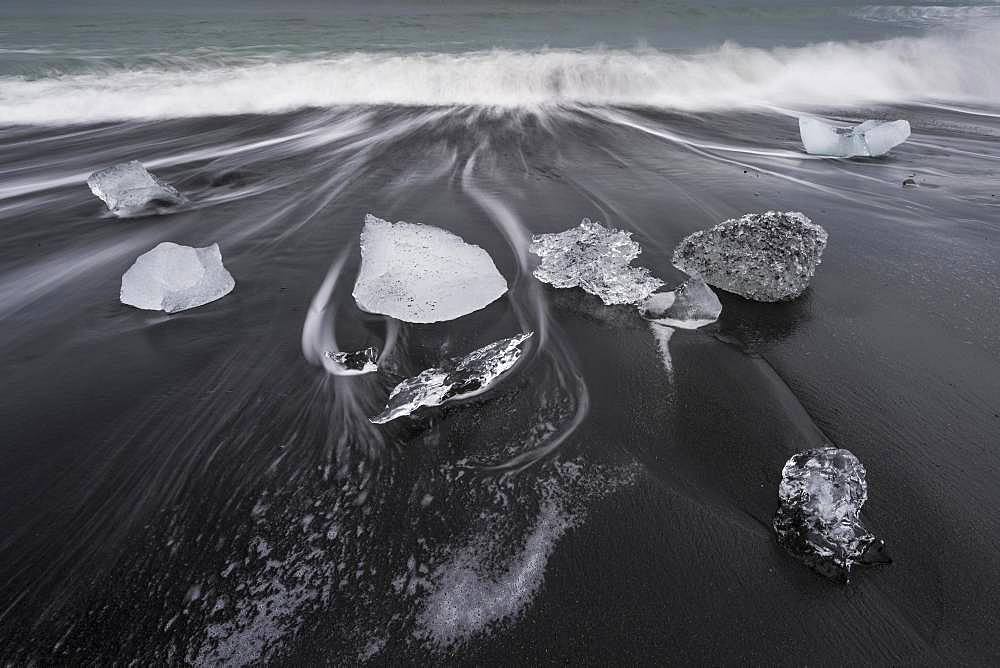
x: 936, y: 67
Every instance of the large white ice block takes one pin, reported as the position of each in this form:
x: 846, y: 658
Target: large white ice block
x: 173, y: 278
x: 419, y: 273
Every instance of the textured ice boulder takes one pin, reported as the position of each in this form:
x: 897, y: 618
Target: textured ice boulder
x: 871, y: 138
x: 692, y: 305
x: 818, y: 519
x: 768, y: 256
x: 173, y: 278
x: 596, y: 259
x: 129, y: 190
x: 458, y: 378
x: 353, y: 363
x: 420, y: 273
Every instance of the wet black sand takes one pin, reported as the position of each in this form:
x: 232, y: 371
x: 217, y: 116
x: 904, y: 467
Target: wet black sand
x: 154, y: 468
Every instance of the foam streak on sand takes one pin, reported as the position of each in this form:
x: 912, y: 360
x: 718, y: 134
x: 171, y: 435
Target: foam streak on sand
x: 936, y: 67
x: 466, y: 600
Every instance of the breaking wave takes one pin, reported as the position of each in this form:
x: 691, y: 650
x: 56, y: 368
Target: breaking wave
x: 939, y: 67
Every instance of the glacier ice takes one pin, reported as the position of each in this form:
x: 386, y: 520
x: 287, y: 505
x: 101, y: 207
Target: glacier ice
x: 420, y: 273
x: 767, y: 257
x: 595, y: 258
x: 354, y: 363
x: 458, y: 378
x: 129, y: 190
x: 869, y: 139
x: 173, y: 278
x: 818, y: 520
x: 691, y: 305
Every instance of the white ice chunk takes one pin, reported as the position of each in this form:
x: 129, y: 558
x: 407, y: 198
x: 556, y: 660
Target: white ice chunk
x: 129, y: 190
x: 692, y: 305
x: 420, y: 273
x: 871, y: 138
x: 173, y: 278
x: 596, y: 259
x: 353, y: 364
x: 458, y: 378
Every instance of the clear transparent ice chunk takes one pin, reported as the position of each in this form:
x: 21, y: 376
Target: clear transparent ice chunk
x: 130, y: 190
x: 596, y: 259
x: 691, y: 305
x: 818, y: 520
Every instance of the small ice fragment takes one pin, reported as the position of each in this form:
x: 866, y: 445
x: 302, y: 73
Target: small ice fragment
x: 354, y: 364
x: 193, y: 593
x: 420, y: 273
x: 767, y: 257
x: 458, y: 378
x: 173, y: 278
x: 818, y: 519
x: 692, y: 305
x: 871, y: 138
x: 595, y: 258
x: 129, y: 190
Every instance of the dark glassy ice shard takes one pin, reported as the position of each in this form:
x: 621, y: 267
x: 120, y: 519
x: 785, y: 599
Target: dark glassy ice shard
x: 459, y: 378
x: 821, y: 495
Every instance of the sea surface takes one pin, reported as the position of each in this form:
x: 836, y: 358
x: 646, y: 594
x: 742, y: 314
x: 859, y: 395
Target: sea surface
x: 196, y: 488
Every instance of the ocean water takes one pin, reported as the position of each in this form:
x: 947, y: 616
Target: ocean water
x: 196, y: 488
x: 140, y: 61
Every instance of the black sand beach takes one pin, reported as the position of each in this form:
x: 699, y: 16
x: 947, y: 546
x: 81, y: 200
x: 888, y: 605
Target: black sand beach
x: 189, y: 487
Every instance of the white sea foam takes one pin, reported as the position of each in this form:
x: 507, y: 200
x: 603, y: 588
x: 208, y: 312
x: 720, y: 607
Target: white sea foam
x: 468, y: 597
x: 949, y: 67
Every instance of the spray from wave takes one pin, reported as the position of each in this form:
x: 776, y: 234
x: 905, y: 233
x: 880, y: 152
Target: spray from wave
x: 940, y: 66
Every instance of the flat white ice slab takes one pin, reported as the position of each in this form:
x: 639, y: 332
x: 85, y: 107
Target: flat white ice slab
x: 419, y: 273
